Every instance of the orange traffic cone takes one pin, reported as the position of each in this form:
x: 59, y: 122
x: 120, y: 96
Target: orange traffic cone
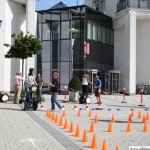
x: 110, y: 127
x: 139, y: 115
x: 87, y: 107
x: 147, y: 117
x: 63, y: 107
x: 144, y: 119
x: 56, y: 119
x: 71, y: 128
x: 90, y: 113
x: 92, y: 127
x: 79, y: 113
x: 85, y: 138
x: 75, y: 107
x: 117, y: 148
x: 52, y: 114
x: 96, y: 119
x: 132, y: 113
x: 104, y: 146
x: 145, y: 128
x: 47, y: 112
x: 66, y: 124
x: 94, y: 142
x: 61, y: 121
x: 64, y: 113
x: 77, y: 131
x: 129, y: 127
x: 53, y: 118
x: 113, y: 119
x: 49, y: 115
x: 130, y: 118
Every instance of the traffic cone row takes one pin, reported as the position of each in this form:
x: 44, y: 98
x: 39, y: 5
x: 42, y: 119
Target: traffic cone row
x: 54, y: 118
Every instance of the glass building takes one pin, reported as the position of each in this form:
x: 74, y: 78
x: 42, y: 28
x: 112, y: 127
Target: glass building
x: 63, y: 51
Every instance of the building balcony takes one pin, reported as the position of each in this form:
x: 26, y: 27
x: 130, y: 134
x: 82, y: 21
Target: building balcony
x: 137, y: 4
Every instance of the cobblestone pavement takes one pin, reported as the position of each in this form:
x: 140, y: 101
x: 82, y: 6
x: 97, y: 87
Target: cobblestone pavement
x: 24, y: 130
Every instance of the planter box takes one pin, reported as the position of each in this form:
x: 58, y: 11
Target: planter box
x: 74, y: 96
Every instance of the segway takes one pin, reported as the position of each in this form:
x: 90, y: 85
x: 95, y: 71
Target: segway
x: 29, y: 104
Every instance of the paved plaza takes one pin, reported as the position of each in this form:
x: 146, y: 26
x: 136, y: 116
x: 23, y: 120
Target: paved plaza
x: 32, y: 130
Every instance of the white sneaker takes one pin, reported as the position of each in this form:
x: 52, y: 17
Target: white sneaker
x: 60, y: 110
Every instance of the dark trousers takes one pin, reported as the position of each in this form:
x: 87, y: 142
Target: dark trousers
x: 39, y: 95
x: 85, y: 90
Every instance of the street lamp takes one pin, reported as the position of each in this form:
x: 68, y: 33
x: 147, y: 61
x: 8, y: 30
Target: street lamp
x: 73, y: 32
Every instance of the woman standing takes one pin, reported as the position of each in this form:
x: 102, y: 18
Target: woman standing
x: 39, y: 82
x: 30, y: 82
x: 85, y: 82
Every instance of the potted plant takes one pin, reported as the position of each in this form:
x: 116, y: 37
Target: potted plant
x: 74, y: 88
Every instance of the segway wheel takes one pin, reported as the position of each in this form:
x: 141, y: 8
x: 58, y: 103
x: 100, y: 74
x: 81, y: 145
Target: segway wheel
x: 81, y: 100
x: 35, y: 105
x: 24, y: 105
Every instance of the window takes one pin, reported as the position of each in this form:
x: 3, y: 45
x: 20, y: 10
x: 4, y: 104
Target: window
x: 103, y: 35
x: 108, y: 33
x: 99, y: 33
x: 46, y: 31
x: 65, y: 30
x: 94, y: 31
x: 89, y: 30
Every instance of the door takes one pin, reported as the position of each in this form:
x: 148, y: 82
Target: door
x: 94, y: 74
x: 115, y: 82
x: 106, y: 82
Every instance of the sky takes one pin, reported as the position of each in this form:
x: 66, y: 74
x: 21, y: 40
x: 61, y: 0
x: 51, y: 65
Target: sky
x: 46, y: 4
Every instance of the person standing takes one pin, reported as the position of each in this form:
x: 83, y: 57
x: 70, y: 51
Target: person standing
x: 39, y: 82
x: 85, y: 82
x: 97, y: 87
x: 55, y: 90
x: 18, y: 82
x: 30, y: 82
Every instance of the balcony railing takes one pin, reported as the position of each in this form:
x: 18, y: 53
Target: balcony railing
x: 140, y: 4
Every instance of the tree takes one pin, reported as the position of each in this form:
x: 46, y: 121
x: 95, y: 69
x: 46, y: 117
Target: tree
x: 24, y: 46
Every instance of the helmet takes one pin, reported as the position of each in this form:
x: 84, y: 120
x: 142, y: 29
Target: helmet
x: 31, y: 69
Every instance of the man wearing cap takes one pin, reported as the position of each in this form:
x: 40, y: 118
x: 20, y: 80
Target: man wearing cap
x: 18, y: 81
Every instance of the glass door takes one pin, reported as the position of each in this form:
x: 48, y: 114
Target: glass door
x: 115, y: 82
x: 106, y: 82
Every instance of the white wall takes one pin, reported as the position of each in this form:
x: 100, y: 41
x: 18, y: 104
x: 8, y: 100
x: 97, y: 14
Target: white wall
x: 143, y: 51
x: 13, y: 16
x: 120, y: 58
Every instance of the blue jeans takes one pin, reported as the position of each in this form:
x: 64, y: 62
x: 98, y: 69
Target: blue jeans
x: 28, y: 94
x: 54, y: 100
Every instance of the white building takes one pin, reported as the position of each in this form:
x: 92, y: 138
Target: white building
x: 15, y: 16
x: 131, y: 23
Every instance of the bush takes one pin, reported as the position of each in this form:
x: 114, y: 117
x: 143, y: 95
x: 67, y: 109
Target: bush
x: 75, y: 84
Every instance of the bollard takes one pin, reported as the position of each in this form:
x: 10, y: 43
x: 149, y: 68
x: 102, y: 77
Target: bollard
x: 124, y: 93
x: 141, y: 98
x: 65, y: 92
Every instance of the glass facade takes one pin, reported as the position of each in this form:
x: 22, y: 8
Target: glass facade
x: 60, y: 55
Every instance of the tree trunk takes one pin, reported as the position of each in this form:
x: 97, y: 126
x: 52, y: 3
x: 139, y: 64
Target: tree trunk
x: 22, y: 71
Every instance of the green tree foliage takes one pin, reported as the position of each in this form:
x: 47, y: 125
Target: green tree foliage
x: 75, y: 84
x: 24, y: 46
